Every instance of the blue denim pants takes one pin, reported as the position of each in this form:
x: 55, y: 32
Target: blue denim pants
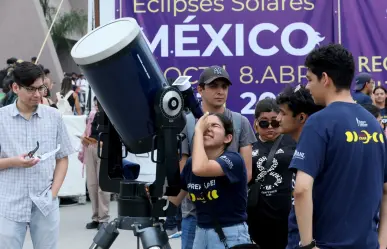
x: 209, y: 239
x: 188, y: 227
x: 44, y: 230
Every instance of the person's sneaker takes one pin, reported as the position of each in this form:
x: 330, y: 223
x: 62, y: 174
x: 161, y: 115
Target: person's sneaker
x: 175, y: 235
x: 171, y: 231
x: 101, y: 224
x: 92, y: 225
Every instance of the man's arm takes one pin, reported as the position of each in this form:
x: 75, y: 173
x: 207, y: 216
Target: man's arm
x: 308, y: 162
x: 182, y: 162
x: 176, y: 200
x: 6, y: 163
x: 383, y: 210
x: 247, y: 152
x: 383, y: 220
x: 246, y: 139
x: 59, y: 175
x: 303, y: 204
x: 20, y: 161
x: 62, y: 161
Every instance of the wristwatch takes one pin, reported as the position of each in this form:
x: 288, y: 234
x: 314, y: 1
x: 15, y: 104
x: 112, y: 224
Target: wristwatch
x: 310, y: 246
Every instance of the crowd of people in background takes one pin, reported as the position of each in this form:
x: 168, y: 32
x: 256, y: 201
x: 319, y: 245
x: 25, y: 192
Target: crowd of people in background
x: 292, y: 180
x: 74, y: 89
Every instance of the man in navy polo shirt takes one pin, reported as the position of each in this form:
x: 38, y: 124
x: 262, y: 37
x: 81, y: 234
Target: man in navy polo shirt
x: 364, y: 86
x: 340, y: 163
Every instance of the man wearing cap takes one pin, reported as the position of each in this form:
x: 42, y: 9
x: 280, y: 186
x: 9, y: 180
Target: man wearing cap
x: 364, y: 86
x: 213, y: 86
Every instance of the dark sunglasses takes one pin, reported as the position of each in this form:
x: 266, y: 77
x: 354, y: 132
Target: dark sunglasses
x: 264, y: 124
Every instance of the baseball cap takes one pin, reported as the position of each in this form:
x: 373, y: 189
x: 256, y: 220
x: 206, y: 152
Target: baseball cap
x: 212, y: 73
x: 361, y: 79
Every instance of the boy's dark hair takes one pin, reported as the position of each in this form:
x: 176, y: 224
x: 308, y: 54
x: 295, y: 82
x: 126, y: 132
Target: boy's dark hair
x: 26, y: 73
x: 298, y: 100
x: 11, y: 60
x: 336, y: 61
x: 266, y: 105
x: 227, y: 124
x: 46, y: 71
x: 374, y: 110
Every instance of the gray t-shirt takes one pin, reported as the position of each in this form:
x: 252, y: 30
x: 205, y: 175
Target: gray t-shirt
x: 246, y: 137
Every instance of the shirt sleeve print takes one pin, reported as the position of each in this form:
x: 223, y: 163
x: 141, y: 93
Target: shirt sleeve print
x: 232, y: 165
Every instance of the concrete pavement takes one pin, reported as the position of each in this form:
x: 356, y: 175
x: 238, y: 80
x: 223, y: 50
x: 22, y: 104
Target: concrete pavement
x: 74, y: 235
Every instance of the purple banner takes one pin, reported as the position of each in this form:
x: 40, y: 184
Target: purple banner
x: 261, y: 43
x: 365, y: 35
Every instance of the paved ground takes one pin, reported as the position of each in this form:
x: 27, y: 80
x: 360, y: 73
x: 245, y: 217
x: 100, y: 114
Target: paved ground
x: 74, y: 235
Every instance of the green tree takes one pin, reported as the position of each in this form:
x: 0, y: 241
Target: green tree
x: 66, y: 24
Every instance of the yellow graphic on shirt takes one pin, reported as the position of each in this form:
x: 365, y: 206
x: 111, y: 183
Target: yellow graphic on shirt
x: 364, y: 137
x: 210, y: 195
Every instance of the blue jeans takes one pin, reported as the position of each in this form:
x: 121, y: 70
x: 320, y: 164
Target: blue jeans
x: 209, y: 239
x: 44, y: 231
x: 188, y: 227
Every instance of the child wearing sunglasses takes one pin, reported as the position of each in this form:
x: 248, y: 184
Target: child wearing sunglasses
x: 270, y: 189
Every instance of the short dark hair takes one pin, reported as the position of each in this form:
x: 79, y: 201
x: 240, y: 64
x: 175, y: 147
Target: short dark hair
x: 298, y: 101
x: 227, y: 124
x: 46, y: 71
x: 334, y: 60
x: 26, y: 73
x: 11, y: 60
x: 374, y: 110
x: 34, y: 58
x: 266, y: 105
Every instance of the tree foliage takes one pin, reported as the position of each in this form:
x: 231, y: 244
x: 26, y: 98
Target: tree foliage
x: 66, y: 25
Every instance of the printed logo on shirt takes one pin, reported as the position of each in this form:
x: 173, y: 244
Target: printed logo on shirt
x: 272, y: 178
x: 255, y: 153
x: 361, y: 123
x: 364, y: 137
x: 227, y: 161
x: 206, y: 194
x: 280, y: 151
x: 298, y: 155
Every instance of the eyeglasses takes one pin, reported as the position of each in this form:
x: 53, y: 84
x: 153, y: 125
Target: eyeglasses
x: 31, y: 89
x: 264, y: 124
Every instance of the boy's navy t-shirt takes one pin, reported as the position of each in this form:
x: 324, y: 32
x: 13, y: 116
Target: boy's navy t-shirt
x: 223, y: 196
x: 343, y: 148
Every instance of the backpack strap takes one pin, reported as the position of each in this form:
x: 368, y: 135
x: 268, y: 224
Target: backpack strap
x: 190, y: 129
x: 237, y: 123
x: 68, y: 95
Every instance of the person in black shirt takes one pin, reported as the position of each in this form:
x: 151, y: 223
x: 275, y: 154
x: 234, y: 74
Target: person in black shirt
x: 268, y: 220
